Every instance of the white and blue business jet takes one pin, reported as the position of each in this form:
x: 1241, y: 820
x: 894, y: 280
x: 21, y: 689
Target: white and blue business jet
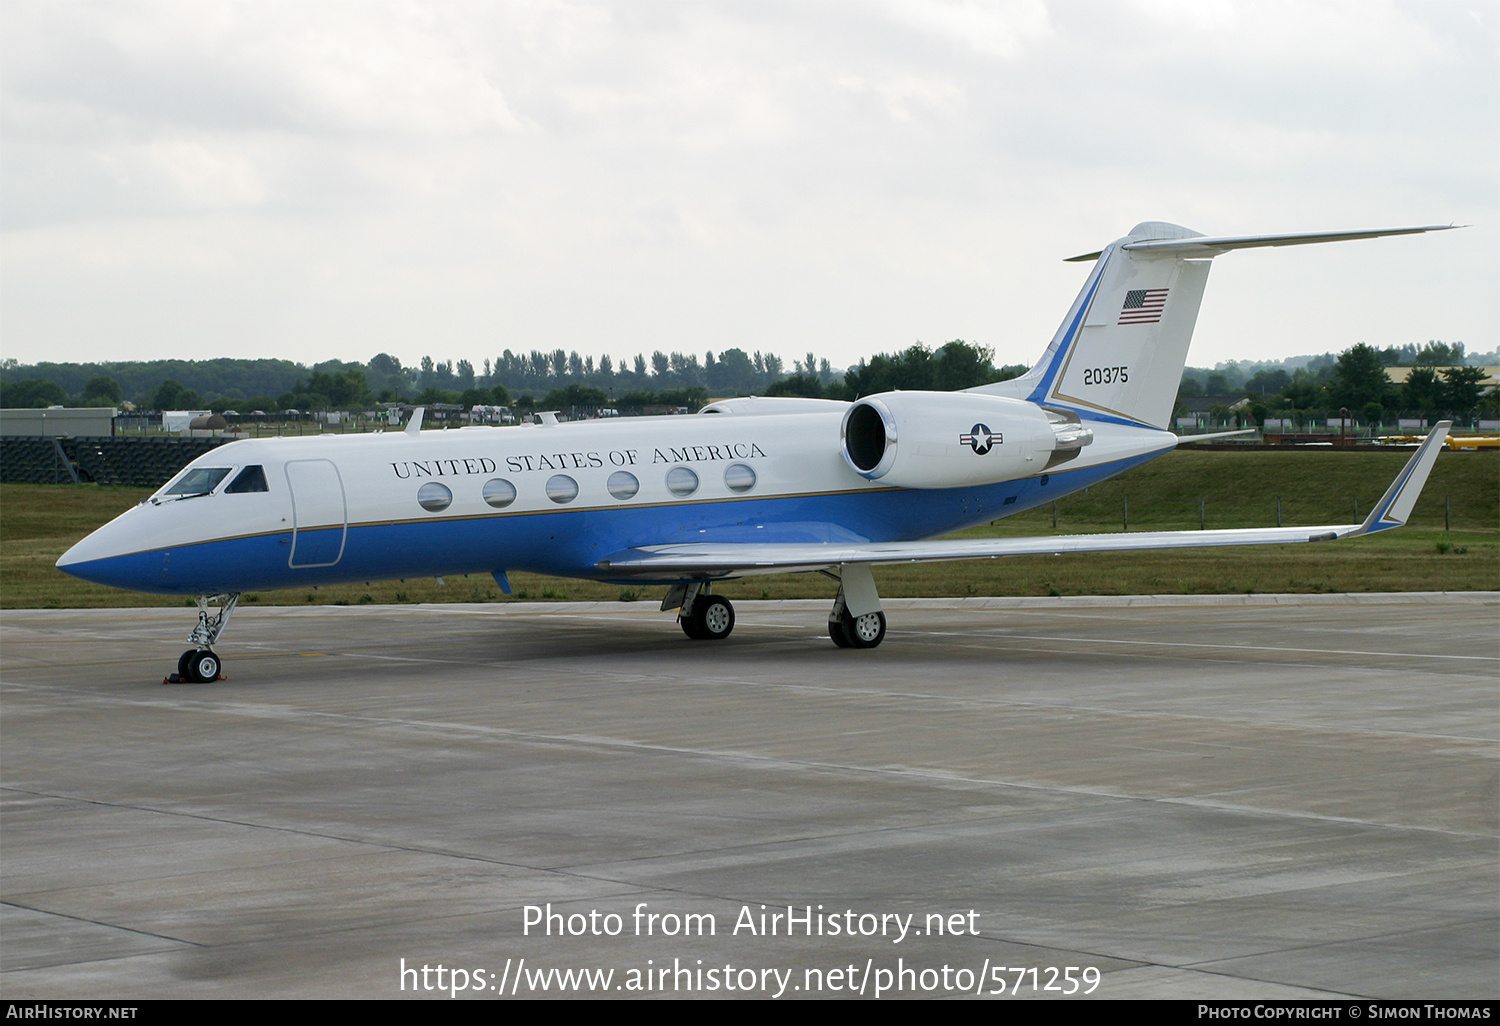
x: 748, y: 486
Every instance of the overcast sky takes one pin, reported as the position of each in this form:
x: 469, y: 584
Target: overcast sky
x: 312, y: 180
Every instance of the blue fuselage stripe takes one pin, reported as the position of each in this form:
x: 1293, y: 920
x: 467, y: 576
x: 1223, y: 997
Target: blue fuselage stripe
x: 569, y: 543
x: 1044, y: 386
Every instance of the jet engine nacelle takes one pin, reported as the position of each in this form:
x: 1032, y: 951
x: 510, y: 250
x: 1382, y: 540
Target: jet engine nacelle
x: 953, y: 439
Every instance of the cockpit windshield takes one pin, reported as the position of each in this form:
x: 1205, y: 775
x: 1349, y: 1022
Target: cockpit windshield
x: 198, y: 481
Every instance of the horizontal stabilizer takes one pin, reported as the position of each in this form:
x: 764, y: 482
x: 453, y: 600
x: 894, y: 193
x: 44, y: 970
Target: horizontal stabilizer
x: 1185, y: 439
x: 1204, y: 246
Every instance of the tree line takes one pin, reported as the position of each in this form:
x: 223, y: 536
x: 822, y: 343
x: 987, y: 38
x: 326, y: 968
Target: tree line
x: 1440, y: 384
x: 535, y: 380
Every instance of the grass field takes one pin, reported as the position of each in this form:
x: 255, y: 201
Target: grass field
x: 1236, y: 489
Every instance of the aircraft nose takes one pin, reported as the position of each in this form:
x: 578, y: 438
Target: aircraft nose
x: 95, y: 557
x: 78, y: 559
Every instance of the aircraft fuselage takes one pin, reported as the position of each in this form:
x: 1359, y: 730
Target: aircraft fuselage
x: 554, y: 499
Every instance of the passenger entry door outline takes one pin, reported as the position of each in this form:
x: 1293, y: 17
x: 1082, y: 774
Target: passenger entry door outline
x: 318, y: 507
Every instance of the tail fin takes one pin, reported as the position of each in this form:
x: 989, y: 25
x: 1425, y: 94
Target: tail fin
x: 1120, y: 351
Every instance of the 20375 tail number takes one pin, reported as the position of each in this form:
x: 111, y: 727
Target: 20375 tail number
x: 1105, y: 375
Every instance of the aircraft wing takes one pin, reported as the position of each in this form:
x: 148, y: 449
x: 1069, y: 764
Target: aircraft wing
x: 709, y: 559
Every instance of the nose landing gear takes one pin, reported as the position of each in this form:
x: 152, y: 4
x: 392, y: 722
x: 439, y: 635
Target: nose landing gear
x: 201, y: 665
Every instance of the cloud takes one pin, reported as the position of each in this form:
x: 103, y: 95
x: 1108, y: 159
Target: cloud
x: 458, y: 178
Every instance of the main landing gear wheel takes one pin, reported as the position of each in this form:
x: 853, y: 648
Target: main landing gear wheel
x: 857, y: 631
x: 712, y: 619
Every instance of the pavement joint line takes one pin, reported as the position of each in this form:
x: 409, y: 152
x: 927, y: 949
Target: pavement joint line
x: 1196, y: 644
x: 1339, y: 942
x: 579, y: 871
x: 1333, y: 995
x: 278, y: 828
x: 94, y: 922
x: 1053, y: 653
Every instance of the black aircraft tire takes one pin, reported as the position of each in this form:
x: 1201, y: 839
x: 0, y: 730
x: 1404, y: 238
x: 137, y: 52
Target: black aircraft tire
x: 839, y: 635
x: 182, y: 663
x: 203, y: 667
x: 713, y: 617
x: 866, y: 631
x: 689, y: 627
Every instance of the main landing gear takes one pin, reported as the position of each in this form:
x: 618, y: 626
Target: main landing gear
x: 200, y: 665
x: 701, y: 615
x: 856, y: 620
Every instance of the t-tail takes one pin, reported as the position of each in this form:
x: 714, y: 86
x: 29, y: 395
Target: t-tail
x: 1119, y: 353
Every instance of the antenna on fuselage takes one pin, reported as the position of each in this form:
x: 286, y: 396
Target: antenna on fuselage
x: 414, y: 426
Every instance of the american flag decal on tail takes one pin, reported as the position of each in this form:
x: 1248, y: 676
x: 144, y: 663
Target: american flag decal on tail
x: 1143, y: 306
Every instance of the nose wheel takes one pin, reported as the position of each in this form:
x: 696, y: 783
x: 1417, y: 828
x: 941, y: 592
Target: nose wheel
x: 197, y: 666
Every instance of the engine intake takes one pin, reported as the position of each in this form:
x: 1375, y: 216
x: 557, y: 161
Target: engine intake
x: 954, y: 439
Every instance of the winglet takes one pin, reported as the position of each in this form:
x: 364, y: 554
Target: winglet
x: 414, y: 426
x: 1394, y: 507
